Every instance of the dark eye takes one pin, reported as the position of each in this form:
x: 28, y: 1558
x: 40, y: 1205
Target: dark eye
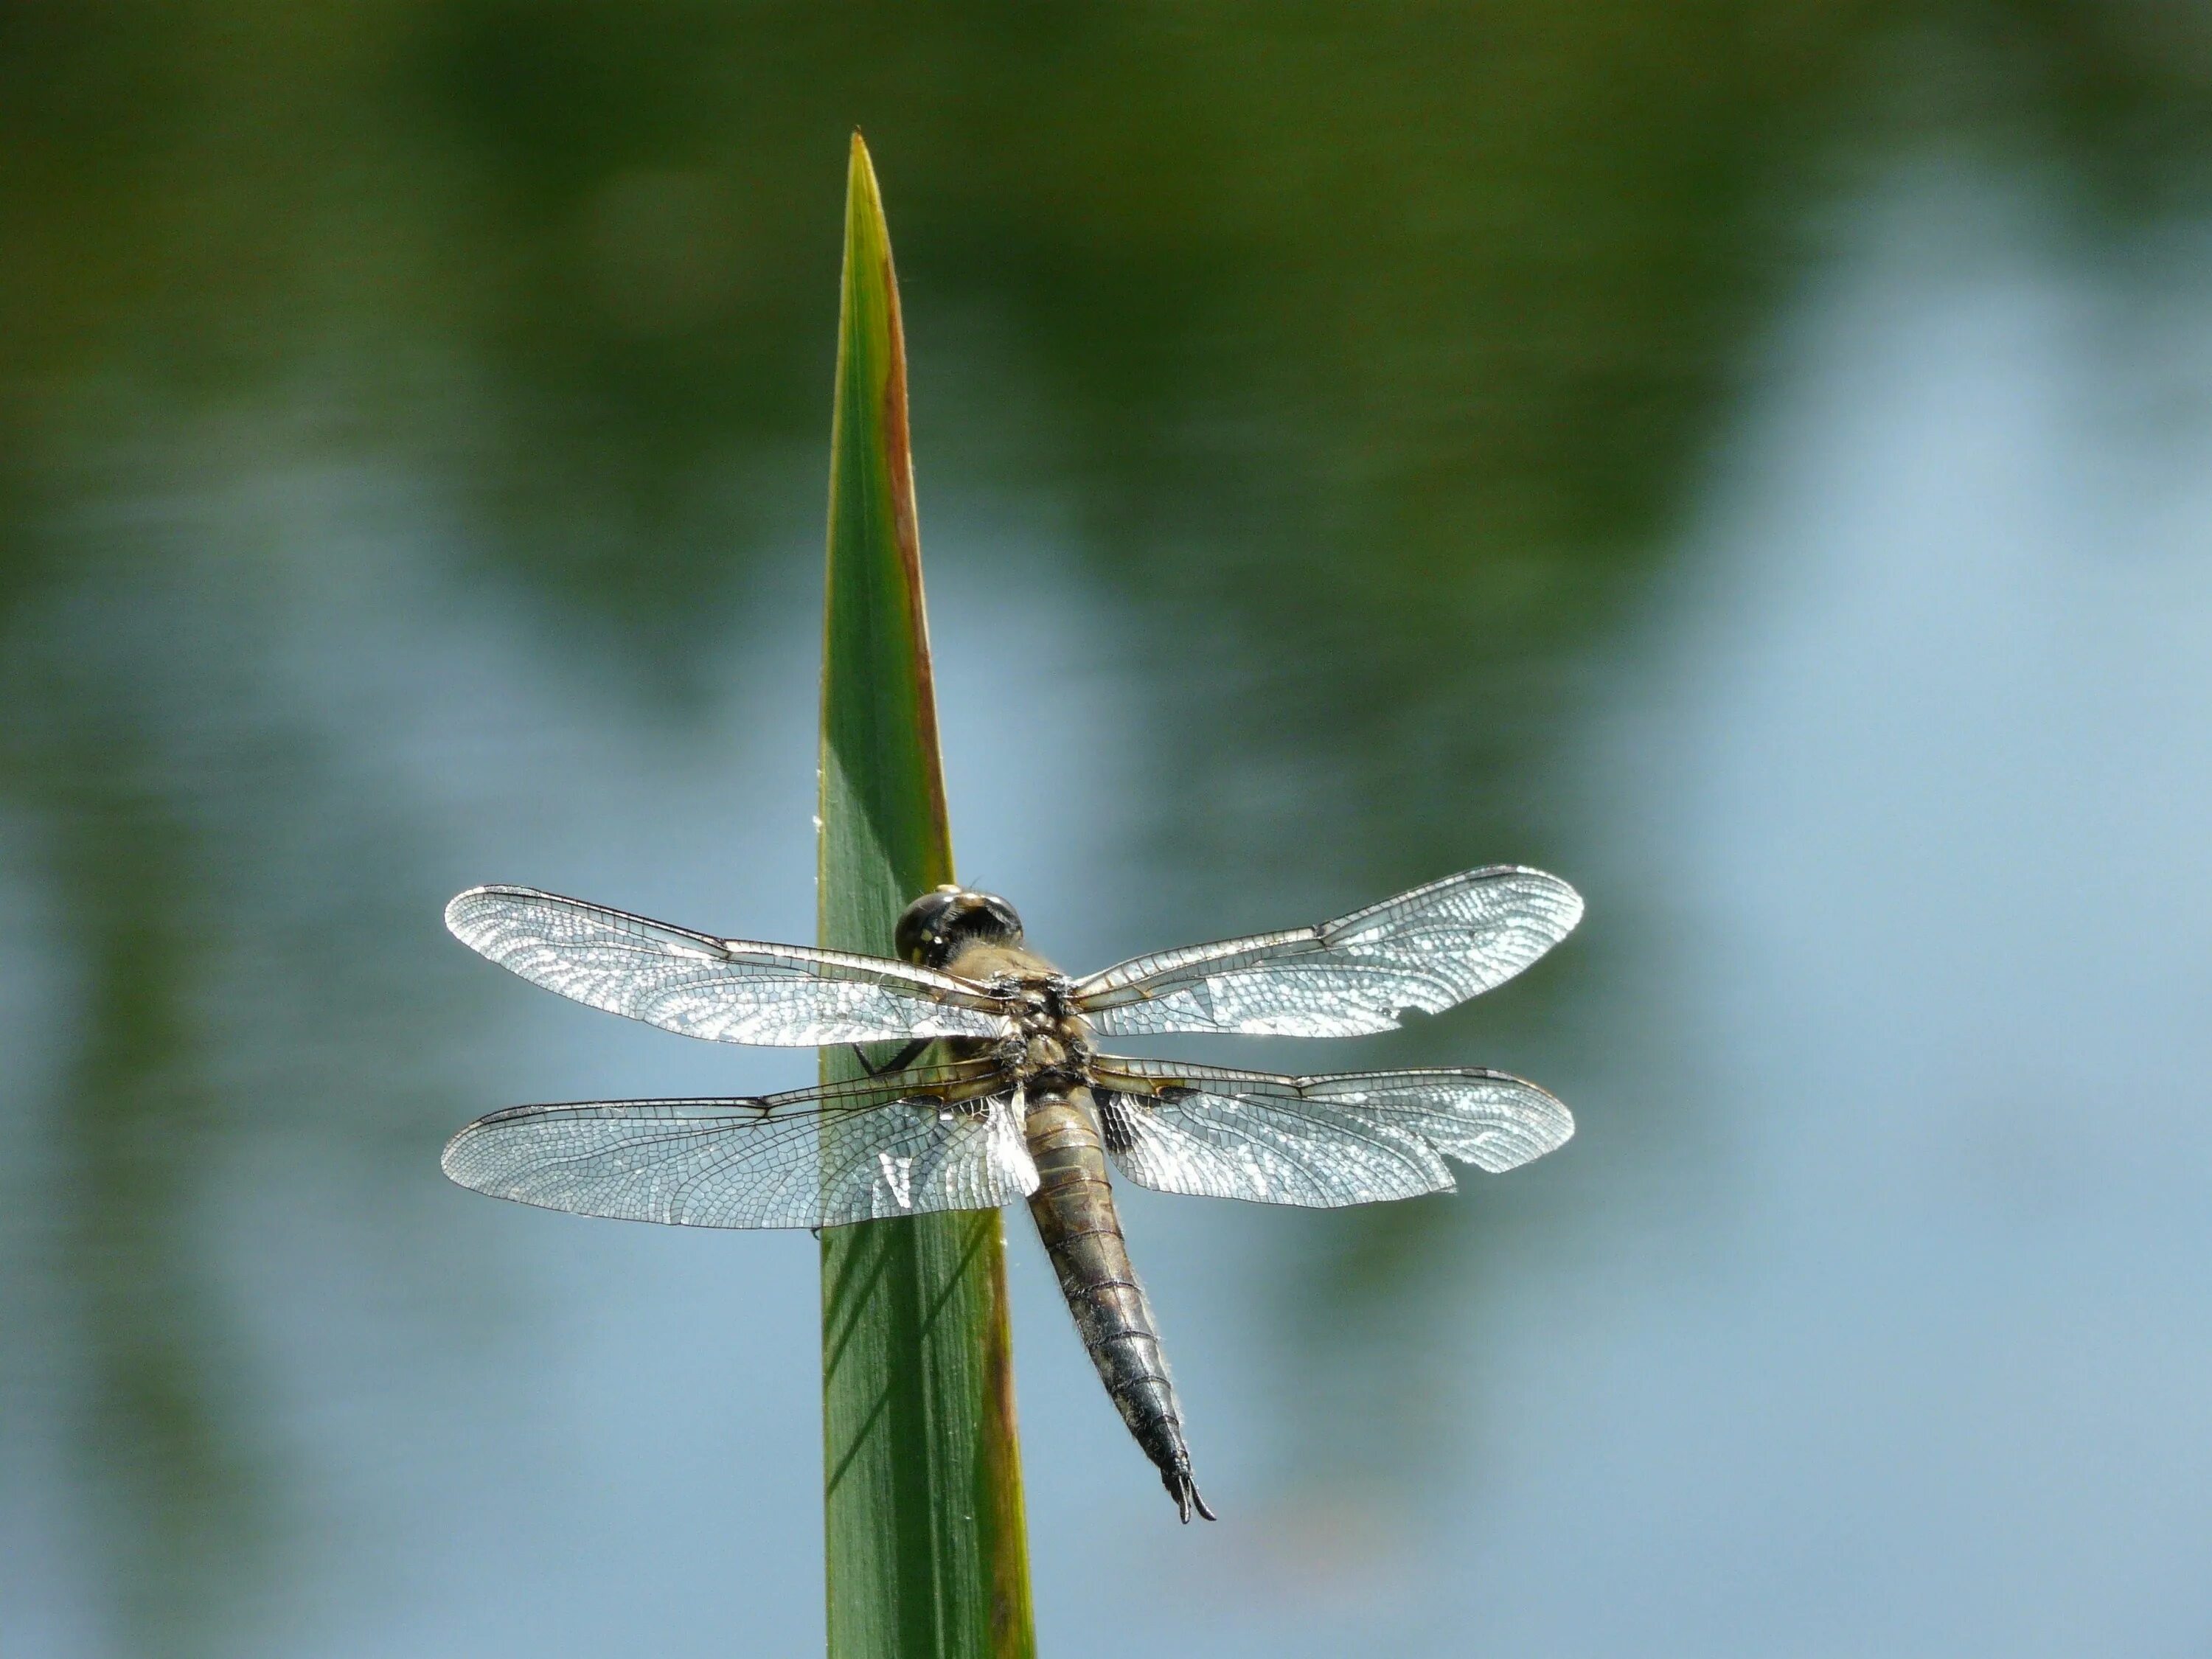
x: 922, y: 925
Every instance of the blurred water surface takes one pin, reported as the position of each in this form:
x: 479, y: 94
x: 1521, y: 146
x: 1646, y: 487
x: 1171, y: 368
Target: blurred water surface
x: 1751, y: 462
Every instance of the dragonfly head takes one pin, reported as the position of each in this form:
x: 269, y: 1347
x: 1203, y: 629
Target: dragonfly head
x: 937, y: 923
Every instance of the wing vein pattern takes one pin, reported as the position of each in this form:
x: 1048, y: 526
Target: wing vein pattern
x: 726, y: 990
x: 1321, y: 1142
x: 1428, y: 949
x: 810, y: 1158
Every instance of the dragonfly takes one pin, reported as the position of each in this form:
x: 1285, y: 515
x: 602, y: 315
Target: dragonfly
x: 998, y: 1091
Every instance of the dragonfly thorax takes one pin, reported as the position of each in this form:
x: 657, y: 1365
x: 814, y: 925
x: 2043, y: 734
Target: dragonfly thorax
x: 1050, y: 1039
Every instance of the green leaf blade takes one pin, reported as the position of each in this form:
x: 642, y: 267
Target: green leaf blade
x: 924, y: 1528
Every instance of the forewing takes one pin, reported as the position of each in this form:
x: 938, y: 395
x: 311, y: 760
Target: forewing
x: 1428, y: 949
x: 728, y: 990
x: 812, y: 1158
x: 1352, y: 1138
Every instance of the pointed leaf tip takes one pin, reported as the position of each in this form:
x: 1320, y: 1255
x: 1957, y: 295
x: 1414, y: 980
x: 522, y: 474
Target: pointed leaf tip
x: 924, y: 1547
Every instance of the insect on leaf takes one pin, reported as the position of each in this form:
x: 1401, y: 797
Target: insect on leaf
x: 926, y: 1549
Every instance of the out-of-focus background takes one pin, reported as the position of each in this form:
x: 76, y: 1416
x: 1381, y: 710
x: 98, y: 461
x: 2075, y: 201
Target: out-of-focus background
x: 1756, y: 462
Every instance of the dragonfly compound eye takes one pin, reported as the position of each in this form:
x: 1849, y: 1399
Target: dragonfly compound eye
x: 992, y: 918
x: 937, y: 921
x: 920, y: 933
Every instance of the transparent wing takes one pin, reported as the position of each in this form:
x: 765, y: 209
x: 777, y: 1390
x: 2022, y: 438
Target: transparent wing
x: 812, y: 1158
x: 1318, y: 1141
x: 728, y: 990
x: 1428, y: 949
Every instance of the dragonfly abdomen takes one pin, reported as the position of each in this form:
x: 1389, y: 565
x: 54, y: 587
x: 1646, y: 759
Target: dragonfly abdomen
x: 1073, y: 1206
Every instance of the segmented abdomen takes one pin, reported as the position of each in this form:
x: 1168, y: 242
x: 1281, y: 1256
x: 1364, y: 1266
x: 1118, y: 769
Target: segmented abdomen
x: 1074, y: 1210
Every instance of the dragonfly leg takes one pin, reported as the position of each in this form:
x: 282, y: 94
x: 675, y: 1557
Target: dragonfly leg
x: 898, y: 1062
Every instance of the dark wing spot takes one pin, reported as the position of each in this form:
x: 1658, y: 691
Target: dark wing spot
x: 1115, y: 1123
